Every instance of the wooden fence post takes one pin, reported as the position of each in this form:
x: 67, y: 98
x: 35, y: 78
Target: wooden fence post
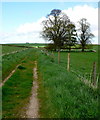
x: 68, y: 62
x: 94, y: 74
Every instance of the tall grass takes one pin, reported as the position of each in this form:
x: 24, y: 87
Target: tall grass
x: 61, y: 94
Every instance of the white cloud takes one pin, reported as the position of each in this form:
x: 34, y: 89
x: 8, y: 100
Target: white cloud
x: 30, y: 32
x: 85, y: 11
x: 78, y: 12
x: 21, y: 38
x: 30, y: 27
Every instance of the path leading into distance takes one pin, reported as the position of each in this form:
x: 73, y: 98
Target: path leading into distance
x: 32, y: 111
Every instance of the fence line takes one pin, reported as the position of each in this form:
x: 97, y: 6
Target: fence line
x: 87, y: 80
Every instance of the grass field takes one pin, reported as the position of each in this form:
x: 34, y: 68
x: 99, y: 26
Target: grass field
x: 61, y: 93
x: 10, y: 49
x: 30, y: 44
x: 80, y: 62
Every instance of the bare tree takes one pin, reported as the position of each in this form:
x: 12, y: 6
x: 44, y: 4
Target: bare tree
x: 71, y: 39
x: 85, y: 34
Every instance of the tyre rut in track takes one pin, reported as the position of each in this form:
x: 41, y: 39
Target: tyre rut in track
x: 33, y: 107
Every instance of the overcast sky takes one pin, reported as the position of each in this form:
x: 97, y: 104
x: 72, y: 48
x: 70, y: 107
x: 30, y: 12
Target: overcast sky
x: 21, y: 21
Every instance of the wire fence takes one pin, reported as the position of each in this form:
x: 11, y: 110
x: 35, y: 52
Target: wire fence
x: 87, y: 78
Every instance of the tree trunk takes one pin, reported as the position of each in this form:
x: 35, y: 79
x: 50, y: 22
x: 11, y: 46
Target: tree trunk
x: 59, y: 56
x: 69, y: 49
x: 83, y: 48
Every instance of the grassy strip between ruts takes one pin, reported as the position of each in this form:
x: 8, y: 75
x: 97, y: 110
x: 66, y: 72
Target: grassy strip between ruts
x: 9, y: 62
x: 17, y: 89
x: 61, y: 94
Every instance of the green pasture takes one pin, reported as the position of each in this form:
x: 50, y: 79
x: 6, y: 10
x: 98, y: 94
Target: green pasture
x: 80, y: 62
x: 38, y: 46
x: 30, y: 44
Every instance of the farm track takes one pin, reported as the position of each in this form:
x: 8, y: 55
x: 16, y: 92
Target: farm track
x: 13, y: 71
x: 33, y: 106
x: 9, y: 75
x: 13, y: 52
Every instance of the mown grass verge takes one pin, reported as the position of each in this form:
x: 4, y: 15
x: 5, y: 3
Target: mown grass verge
x: 62, y: 95
x: 17, y: 89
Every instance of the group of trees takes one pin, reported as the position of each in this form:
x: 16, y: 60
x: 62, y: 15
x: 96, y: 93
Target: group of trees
x: 61, y: 31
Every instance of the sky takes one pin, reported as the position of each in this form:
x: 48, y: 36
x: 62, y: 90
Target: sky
x: 21, y: 21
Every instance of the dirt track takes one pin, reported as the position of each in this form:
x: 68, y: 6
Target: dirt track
x: 33, y: 107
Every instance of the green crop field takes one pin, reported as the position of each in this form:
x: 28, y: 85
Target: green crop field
x: 29, y: 44
x: 10, y: 49
x: 61, y: 93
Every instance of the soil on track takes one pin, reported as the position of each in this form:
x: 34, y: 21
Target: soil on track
x: 33, y: 107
